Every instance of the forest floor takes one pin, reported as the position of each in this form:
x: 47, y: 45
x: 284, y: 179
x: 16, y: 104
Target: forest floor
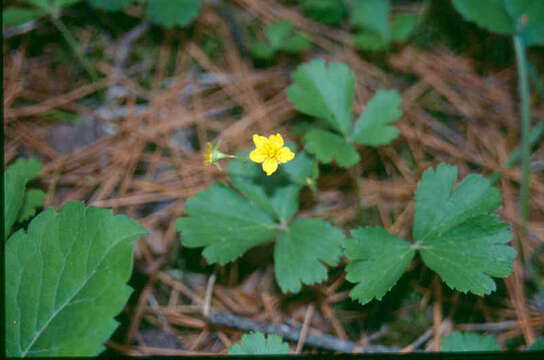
x: 134, y: 142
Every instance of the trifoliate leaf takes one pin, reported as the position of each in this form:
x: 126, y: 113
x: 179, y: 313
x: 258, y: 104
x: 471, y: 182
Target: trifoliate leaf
x: 378, y: 261
x: 224, y: 223
x: 171, y: 13
x: 303, y: 169
x: 537, y: 345
x: 328, y: 146
x: 15, y: 179
x: 325, y: 92
x: 489, y: 14
x: 372, y: 15
x: 370, y: 41
x: 276, y: 195
x: 372, y: 128
x: 110, y: 5
x: 16, y: 16
x: 301, y: 250
x: 329, y: 12
x: 402, y: 27
x: 66, y: 280
x: 257, y: 344
x: 33, y: 199
x: 457, y: 341
x: 458, y: 235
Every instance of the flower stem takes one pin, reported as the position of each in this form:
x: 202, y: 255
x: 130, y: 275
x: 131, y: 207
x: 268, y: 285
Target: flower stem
x: 525, y: 128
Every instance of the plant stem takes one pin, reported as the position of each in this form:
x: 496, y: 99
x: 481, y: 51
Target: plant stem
x: 72, y: 42
x: 536, y: 134
x: 525, y: 128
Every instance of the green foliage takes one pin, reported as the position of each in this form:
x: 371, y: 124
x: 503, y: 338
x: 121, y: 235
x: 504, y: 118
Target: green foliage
x: 402, y: 27
x: 372, y: 15
x: 38, y: 8
x: 326, y: 92
x: 33, y: 199
x: 457, y: 341
x: 17, y: 204
x: 281, y: 37
x: 375, y: 31
x: 373, y: 127
x: 17, y: 16
x: 510, y: 17
x: 227, y: 223
x: 455, y: 232
x: 379, y: 260
x: 303, y: 169
x: 110, y: 5
x: 66, y: 280
x: 256, y: 344
x: 170, y: 13
x: 537, y: 345
x: 459, y: 236
x: 327, y: 146
x: 329, y: 12
x: 300, y: 251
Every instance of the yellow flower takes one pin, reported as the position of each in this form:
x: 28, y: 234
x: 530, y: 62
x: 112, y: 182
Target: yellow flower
x: 270, y: 152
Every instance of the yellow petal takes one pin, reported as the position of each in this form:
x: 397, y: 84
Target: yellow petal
x: 277, y: 140
x: 285, y: 155
x: 258, y: 155
x: 270, y: 166
x: 259, y: 140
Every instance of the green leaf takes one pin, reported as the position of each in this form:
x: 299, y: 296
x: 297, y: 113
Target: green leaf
x: 378, y: 261
x: 325, y: 92
x: 327, y: 145
x: 301, y: 250
x: 457, y: 341
x: 489, y: 14
x: 17, y: 16
x: 402, y: 27
x: 262, y: 51
x: 303, y: 169
x: 370, y: 41
x: 537, y: 345
x: 110, y: 5
x: 66, y: 280
x: 329, y: 12
x: 278, y: 33
x: 15, y: 179
x: 224, y: 223
x: 58, y: 4
x: 459, y: 236
x: 372, y: 128
x: 170, y: 13
x: 510, y: 17
x: 44, y: 5
x: 372, y: 15
x: 257, y: 344
x: 528, y: 15
x: 33, y: 199
x: 276, y: 195
x: 297, y: 43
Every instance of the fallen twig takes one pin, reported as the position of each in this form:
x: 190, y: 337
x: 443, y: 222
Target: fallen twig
x: 320, y: 341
